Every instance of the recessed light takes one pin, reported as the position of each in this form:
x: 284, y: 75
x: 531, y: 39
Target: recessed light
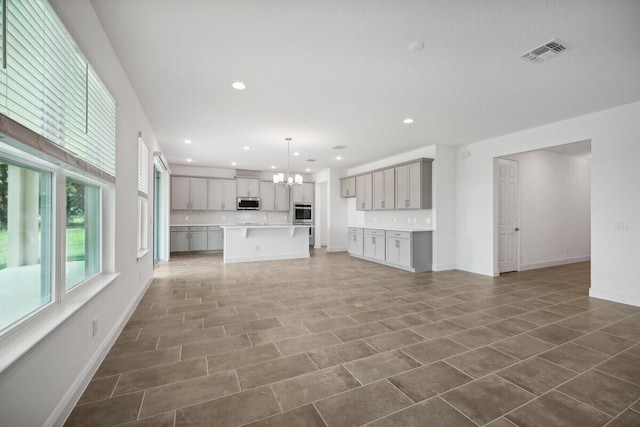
x: 295, y: 153
x: 308, y: 170
x: 407, y: 121
x: 246, y: 148
x: 189, y: 160
x: 238, y: 85
x: 187, y: 141
x: 416, y: 46
x: 233, y: 163
x: 273, y: 166
x: 338, y: 157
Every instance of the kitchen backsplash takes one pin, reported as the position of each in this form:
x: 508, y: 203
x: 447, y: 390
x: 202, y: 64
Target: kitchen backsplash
x: 413, y: 218
x: 230, y: 217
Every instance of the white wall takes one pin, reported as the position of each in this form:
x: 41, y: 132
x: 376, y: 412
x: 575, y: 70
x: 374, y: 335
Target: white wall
x: 555, y: 208
x: 615, y: 148
x: 336, y: 237
x: 42, y: 387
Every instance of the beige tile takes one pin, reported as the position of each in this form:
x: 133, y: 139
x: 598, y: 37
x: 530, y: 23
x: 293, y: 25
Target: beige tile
x: 252, y: 326
x: 327, y: 324
x: 313, y: 386
x: 234, y: 410
x: 274, y: 370
x: 205, y: 348
x: 393, y: 340
x: 130, y: 347
x: 161, y: 420
x: 276, y: 334
x: 574, y: 357
x: 243, y: 357
x: 306, y: 416
x: 362, y: 405
x: 365, y: 330
x: 131, y: 362
x: 341, y: 353
x: 99, y: 388
x: 427, y: 381
x: 189, y: 392
x: 160, y: 375
x: 433, y: 412
x: 380, y: 366
x: 107, y: 412
x: 480, y: 362
x: 432, y: 351
x: 306, y: 343
x: 536, y: 375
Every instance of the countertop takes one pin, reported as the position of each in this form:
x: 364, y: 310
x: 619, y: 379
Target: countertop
x: 428, y: 228
x: 234, y: 225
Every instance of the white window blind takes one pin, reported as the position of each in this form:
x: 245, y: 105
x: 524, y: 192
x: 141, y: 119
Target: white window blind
x: 48, y: 87
x: 143, y: 167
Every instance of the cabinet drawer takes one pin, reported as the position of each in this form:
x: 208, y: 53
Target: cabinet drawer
x: 399, y: 234
x: 197, y: 228
x: 356, y: 230
x: 373, y: 232
x: 214, y: 228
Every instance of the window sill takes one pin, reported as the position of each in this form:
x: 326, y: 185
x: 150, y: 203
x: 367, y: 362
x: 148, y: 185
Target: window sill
x: 16, y: 342
x: 142, y: 253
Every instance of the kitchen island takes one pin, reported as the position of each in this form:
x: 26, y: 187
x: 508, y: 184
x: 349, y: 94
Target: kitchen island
x: 258, y: 242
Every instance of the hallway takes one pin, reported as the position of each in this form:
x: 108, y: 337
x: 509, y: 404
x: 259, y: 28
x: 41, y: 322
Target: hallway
x: 337, y: 341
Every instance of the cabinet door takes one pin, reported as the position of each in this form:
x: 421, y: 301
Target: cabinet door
x: 374, y: 247
x: 282, y: 198
x: 348, y: 187
x: 356, y: 246
x: 198, y: 241
x: 364, y: 194
x: 215, y: 240
x: 398, y: 251
x: 380, y: 248
x: 402, y: 187
x: 307, y: 192
x: 179, y: 241
x: 216, y: 194
x: 267, y: 196
x: 229, y: 195
x: 179, y: 193
x: 389, y: 189
x: 248, y: 187
x: 198, y: 193
x: 378, y: 190
x: 415, y: 186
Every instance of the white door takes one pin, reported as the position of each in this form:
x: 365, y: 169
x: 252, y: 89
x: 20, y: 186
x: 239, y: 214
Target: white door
x: 508, y: 219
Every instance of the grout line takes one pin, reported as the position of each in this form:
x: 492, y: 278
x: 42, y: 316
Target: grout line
x: 144, y: 393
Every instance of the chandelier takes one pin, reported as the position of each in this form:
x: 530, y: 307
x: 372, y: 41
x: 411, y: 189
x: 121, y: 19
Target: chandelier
x: 279, y: 178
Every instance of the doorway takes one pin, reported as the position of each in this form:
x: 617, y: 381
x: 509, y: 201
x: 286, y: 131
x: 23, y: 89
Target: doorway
x: 542, y: 208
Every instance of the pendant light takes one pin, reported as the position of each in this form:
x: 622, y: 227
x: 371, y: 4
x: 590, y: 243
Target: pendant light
x: 279, y: 178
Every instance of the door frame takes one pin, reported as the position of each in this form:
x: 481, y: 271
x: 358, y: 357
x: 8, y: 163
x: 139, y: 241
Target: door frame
x: 496, y: 217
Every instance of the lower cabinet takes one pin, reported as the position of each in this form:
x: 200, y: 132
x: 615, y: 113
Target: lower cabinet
x: 356, y: 243
x: 374, y: 244
x: 409, y: 250
x: 196, y: 238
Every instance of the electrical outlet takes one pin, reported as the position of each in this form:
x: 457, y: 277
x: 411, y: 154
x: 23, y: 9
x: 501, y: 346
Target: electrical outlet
x: 186, y: 218
x: 427, y: 220
x: 566, y: 250
x: 94, y: 327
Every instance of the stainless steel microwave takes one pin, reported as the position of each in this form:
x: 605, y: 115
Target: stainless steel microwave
x: 248, y: 203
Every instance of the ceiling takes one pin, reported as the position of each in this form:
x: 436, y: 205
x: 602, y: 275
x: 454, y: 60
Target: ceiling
x: 576, y: 149
x: 336, y: 72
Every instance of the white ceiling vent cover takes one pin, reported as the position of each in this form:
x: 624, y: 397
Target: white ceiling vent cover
x: 544, y: 52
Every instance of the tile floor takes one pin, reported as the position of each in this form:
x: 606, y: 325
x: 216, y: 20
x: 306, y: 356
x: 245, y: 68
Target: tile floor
x: 335, y: 341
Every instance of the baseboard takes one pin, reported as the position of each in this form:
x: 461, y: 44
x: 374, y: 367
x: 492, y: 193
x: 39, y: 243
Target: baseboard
x: 615, y: 297
x: 338, y: 249
x: 553, y: 262
x: 444, y: 267
x: 73, y: 395
x: 469, y: 269
x: 264, y: 258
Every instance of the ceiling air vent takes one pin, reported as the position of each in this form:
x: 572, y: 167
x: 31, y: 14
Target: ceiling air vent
x: 311, y: 160
x: 544, y: 52
x: 339, y: 147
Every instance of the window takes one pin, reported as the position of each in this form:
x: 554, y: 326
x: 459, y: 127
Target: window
x: 143, y: 191
x: 82, y: 232
x: 26, y: 240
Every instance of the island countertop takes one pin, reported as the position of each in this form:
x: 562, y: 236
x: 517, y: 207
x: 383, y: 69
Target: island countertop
x: 240, y: 226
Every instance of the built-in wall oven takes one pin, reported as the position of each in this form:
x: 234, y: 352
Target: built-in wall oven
x: 303, y: 215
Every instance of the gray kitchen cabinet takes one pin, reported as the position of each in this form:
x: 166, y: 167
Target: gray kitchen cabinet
x: 179, y: 239
x: 303, y: 193
x: 188, y: 193
x: 364, y: 194
x: 413, y: 185
x: 215, y: 239
x: 348, y: 187
x: 384, y: 189
x: 356, y: 241
x: 198, y: 239
x: 273, y: 197
x: 222, y: 195
x: 248, y: 187
x: 374, y: 244
x: 398, y: 248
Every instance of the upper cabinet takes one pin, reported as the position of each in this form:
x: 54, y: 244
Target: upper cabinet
x: 364, y: 192
x: 188, y: 193
x: 248, y: 187
x: 303, y: 193
x: 222, y: 195
x: 413, y: 185
x: 273, y: 197
x: 348, y: 187
x: 384, y: 189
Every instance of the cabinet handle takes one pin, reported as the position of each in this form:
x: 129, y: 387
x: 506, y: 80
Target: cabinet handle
x: 382, y: 204
x: 373, y: 240
x: 354, y: 237
x: 397, y: 243
x: 362, y: 205
x: 406, y: 203
x: 223, y: 206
